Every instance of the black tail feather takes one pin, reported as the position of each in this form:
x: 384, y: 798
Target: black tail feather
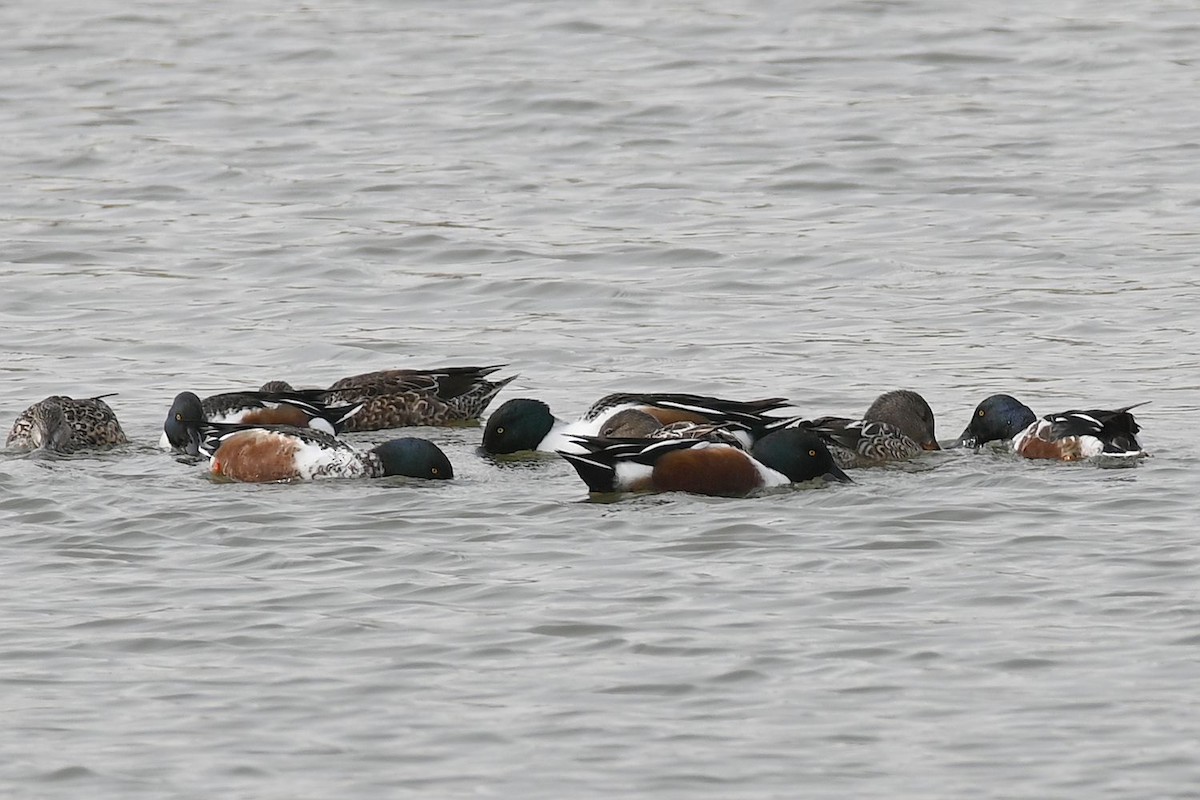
x: 599, y: 476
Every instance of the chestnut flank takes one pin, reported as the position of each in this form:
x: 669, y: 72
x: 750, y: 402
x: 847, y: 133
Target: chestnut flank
x: 256, y: 457
x: 281, y: 415
x: 708, y: 470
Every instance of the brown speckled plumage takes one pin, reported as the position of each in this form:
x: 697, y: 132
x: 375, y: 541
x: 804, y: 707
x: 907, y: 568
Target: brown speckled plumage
x: 633, y: 423
x: 898, y: 426
x: 405, y: 397
x: 64, y: 424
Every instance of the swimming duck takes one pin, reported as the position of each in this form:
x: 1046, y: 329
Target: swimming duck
x: 64, y: 425
x: 181, y: 430
x: 1067, y: 436
x: 792, y: 455
x: 898, y: 426
x: 399, y: 398
x: 633, y: 423
x: 527, y: 424
x: 263, y: 454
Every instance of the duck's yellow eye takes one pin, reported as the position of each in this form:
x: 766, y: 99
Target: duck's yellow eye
x: 435, y: 470
x: 982, y: 412
x: 500, y: 429
x: 179, y: 417
x: 812, y: 453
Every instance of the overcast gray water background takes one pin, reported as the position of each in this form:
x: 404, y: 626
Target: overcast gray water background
x: 818, y: 200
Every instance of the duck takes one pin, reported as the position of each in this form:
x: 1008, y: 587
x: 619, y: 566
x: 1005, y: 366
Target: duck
x: 399, y: 398
x: 696, y: 466
x: 1066, y: 436
x: 633, y: 423
x: 898, y: 426
x: 62, y: 424
x: 275, y: 453
x: 181, y: 429
x: 527, y: 424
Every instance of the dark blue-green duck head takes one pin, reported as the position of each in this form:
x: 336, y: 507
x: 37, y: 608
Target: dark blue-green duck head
x: 519, y: 424
x: 1000, y: 416
x: 183, y: 423
x: 412, y: 457
x: 799, y: 454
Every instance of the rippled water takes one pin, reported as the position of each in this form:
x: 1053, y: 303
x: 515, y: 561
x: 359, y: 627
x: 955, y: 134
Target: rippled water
x: 732, y: 198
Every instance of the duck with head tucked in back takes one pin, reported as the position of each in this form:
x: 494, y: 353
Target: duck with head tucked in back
x: 1066, y: 436
x: 272, y: 453
x: 633, y: 423
x: 399, y: 398
x: 898, y: 426
x: 527, y: 424
x: 63, y: 424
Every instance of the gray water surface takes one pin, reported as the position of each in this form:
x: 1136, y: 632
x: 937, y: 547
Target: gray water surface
x: 744, y: 199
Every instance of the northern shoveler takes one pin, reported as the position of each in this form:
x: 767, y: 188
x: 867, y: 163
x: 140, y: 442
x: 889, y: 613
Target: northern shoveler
x: 898, y: 426
x: 526, y: 424
x: 633, y: 423
x: 400, y: 398
x: 64, y: 425
x: 998, y: 418
x: 181, y: 430
x: 1067, y: 436
x: 792, y: 455
x: 263, y: 454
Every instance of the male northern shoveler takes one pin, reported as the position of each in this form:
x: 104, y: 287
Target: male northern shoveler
x: 526, y: 424
x: 399, y: 398
x: 793, y: 455
x: 63, y: 424
x: 1068, y: 436
x: 263, y: 454
x: 898, y: 426
x: 181, y: 430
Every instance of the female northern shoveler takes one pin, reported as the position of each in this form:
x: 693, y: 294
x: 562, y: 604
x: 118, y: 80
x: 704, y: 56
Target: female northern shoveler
x: 1069, y: 436
x: 898, y: 426
x: 525, y: 424
x: 400, y: 398
x: 257, y: 454
x: 181, y: 430
x: 633, y: 423
x: 63, y: 424
x: 793, y: 455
